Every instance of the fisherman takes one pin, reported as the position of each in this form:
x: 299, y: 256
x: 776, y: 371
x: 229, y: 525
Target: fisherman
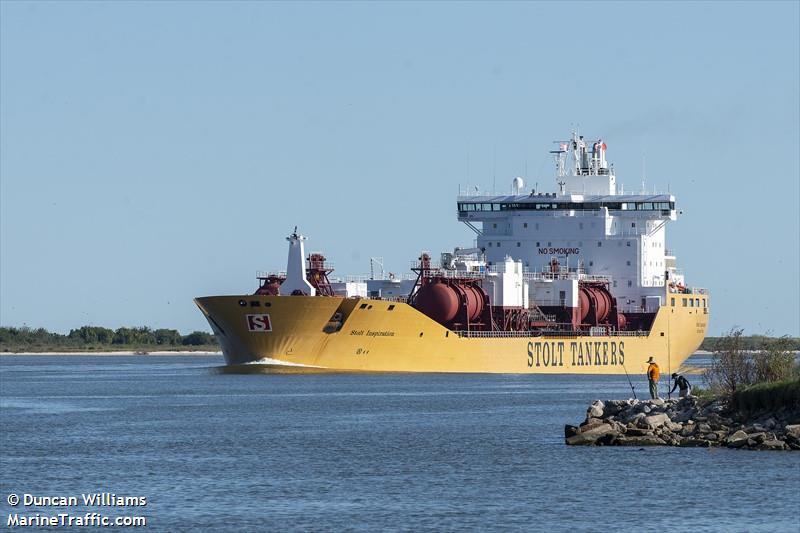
x: 683, y: 384
x: 653, y: 373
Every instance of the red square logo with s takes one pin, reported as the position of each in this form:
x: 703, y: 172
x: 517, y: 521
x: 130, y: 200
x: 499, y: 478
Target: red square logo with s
x: 259, y: 323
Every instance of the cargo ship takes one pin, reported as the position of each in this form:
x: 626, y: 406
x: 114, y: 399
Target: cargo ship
x: 574, y: 281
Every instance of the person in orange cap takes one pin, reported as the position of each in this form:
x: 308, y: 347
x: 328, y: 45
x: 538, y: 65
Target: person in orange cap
x: 653, y: 373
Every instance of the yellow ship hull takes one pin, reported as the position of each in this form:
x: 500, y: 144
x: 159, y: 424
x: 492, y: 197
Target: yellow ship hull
x: 385, y: 336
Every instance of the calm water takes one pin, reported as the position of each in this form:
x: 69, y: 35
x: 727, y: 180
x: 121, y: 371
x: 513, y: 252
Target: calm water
x: 214, y: 451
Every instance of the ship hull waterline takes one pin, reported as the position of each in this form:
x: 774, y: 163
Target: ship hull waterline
x: 386, y: 336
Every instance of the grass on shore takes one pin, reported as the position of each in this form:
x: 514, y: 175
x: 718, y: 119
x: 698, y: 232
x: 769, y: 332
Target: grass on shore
x: 773, y: 395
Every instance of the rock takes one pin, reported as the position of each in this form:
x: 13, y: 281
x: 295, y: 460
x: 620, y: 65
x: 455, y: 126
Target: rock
x: 591, y: 423
x: 737, y: 440
x: 619, y: 428
x: 644, y: 440
x: 684, y: 422
x: 595, y: 410
x: 721, y: 435
x: 700, y: 443
x: 658, y: 420
x: 609, y: 439
x: 615, y: 407
x: 675, y: 428
x: 793, y: 430
x: 588, y: 437
x: 773, y: 444
x: 637, y: 420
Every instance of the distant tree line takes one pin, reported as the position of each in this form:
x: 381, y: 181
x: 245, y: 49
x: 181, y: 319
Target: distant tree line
x: 750, y: 342
x: 17, y: 339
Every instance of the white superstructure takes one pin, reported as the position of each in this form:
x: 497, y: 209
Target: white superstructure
x: 586, y: 226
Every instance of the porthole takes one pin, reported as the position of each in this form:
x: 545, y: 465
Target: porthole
x: 242, y: 303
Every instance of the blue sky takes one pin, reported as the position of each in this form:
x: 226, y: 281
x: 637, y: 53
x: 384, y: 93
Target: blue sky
x: 152, y: 152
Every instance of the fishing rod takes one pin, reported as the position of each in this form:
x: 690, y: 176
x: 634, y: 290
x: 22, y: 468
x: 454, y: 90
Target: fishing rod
x: 633, y: 389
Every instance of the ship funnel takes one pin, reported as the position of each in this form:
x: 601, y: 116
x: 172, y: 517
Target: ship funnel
x: 296, y: 282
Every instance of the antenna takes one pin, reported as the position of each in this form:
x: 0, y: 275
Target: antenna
x: 372, y: 262
x: 467, y: 162
x: 644, y: 171
x: 494, y: 168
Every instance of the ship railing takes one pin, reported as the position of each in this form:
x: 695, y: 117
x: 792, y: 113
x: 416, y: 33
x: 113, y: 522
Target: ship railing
x: 401, y: 298
x: 687, y: 290
x: 267, y: 273
x: 631, y: 309
x: 546, y: 333
x: 550, y: 276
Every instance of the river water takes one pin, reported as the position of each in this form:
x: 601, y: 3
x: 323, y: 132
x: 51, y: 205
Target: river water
x: 361, y: 452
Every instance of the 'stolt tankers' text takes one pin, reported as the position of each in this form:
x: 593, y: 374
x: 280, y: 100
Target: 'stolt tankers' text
x: 580, y: 353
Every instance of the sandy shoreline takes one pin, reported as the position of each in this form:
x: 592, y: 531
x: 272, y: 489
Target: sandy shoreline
x: 122, y: 352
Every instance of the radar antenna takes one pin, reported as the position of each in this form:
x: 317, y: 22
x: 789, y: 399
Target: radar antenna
x: 375, y: 261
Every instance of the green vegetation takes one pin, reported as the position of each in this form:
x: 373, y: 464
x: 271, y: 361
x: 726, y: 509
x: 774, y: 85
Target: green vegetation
x: 749, y: 342
x: 95, y: 338
x: 753, y: 378
x: 775, y: 395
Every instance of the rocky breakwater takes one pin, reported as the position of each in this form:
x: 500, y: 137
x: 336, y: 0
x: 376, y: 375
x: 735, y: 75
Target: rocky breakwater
x: 683, y: 422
